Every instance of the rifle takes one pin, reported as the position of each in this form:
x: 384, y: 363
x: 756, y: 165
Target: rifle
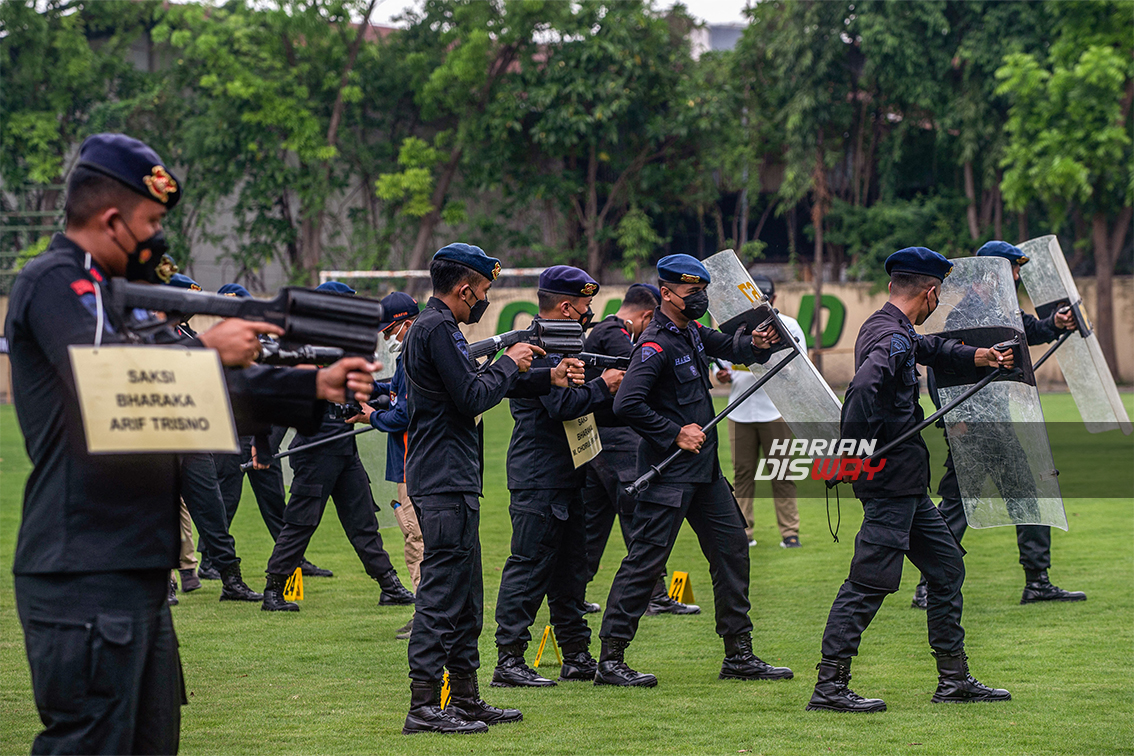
x: 273, y: 353
x: 319, y: 318
x: 603, y: 361
x: 558, y: 336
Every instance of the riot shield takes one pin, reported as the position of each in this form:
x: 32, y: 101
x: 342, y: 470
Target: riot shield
x: 998, y: 439
x: 372, y: 452
x: 799, y: 392
x: 1050, y: 285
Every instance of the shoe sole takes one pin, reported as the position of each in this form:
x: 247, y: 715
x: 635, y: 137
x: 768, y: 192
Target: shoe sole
x: 249, y: 600
x: 935, y: 699
x: 821, y: 707
x: 788, y: 676
x: 631, y: 685
x: 290, y: 609
x: 548, y: 684
x: 407, y: 731
x: 1050, y: 600
x: 395, y: 603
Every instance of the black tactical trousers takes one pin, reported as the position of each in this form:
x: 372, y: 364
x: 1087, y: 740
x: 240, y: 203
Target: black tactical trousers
x: 449, y: 612
x: 104, y: 664
x: 893, y: 529
x: 715, y: 518
x: 1034, y: 541
x: 200, y: 488
x: 549, y: 558
x: 267, y: 485
x: 342, y: 478
x: 603, y: 499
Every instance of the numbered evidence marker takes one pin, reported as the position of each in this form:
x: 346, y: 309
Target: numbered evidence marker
x: 548, y: 634
x: 153, y: 399
x: 680, y: 589
x: 446, y: 693
x: 583, y: 439
x: 293, y: 589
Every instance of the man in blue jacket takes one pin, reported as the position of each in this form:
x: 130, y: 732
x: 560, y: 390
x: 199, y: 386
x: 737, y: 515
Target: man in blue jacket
x: 401, y: 309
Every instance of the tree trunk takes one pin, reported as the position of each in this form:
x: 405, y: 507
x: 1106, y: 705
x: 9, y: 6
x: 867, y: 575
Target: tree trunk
x: 1107, y: 246
x: 970, y: 192
x: 590, y: 215
x: 430, y: 220
x: 998, y: 209
x: 742, y: 216
x: 817, y: 214
x: 310, y: 246
x: 1022, y: 225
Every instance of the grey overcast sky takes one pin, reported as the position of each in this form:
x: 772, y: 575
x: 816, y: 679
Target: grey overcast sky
x: 711, y: 11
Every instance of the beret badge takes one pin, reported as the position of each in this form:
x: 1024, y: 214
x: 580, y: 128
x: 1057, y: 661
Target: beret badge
x: 160, y: 184
x: 687, y: 278
x: 495, y: 271
x: 589, y: 289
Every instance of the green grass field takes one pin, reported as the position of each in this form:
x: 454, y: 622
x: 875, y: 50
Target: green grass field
x: 332, y: 679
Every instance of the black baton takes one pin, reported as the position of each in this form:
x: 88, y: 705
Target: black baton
x: 357, y: 431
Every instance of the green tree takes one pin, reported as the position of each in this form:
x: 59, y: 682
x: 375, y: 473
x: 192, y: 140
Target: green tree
x: 1069, y: 134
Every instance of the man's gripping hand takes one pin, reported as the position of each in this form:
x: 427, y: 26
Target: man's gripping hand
x: 522, y: 354
x: 569, y: 372
x: 691, y: 438
x: 350, y: 376
x: 237, y: 340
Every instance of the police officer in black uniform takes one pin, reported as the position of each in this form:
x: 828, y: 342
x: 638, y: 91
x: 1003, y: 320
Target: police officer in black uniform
x: 265, y: 476
x: 899, y: 520
x: 333, y: 471
x: 1033, y: 541
x: 447, y: 395
x: 100, y: 533
x: 549, y: 539
x: 665, y: 398
x: 617, y: 465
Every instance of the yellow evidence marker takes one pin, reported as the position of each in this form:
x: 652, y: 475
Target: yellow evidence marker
x: 680, y: 589
x: 548, y: 634
x: 293, y: 589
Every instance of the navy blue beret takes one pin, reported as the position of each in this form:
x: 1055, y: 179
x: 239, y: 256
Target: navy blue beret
x: 233, y: 290
x: 919, y: 261
x: 182, y: 281
x: 653, y: 289
x: 1003, y: 249
x: 398, y: 306
x: 338, y: 287
x: 682, y: 269
x: 471, y: 257
x: 564, y: 279
x: 133, y: 163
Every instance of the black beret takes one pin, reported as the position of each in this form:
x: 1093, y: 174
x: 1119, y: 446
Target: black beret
x: 919, y: 261
x: 133, y: 163
x: 564, y: 279
x: 471, y: 257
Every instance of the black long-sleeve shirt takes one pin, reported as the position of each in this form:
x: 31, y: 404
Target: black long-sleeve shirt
x: 87, y: 513
x: 882, y: 398
x: 667, y: 387
x: 539, y: 454
x: 446, y: 395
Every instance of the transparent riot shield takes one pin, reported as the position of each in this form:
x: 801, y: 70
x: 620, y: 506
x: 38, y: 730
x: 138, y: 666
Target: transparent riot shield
x: 798, y: 390
x: 1050, y: 285
x: 372, y: 452
x: 1001, y: 453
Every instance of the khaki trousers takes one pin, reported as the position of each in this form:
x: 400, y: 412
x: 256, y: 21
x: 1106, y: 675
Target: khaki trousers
x: 188, y: 551
x: 411, y: 531
x: 748, y: 439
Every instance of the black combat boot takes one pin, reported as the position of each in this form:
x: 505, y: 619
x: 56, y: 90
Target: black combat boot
x: 310, y: 570
x: 661, y: 603
x: 207, y: 572
x: 1039, y: 588
x: 512, y: 672
x: 741, y: 664
x: 426, y: 714
x: 465, y: 702
x: 832, y: 691
x: 189, y: 580
x: 612, y: 670
x: 234, y: 588
x: 274, y: 600
x: 920, y: 596
x: 578, y: 664
x: 393, y: 592
x: 956, y: 685
x: 172, y: 598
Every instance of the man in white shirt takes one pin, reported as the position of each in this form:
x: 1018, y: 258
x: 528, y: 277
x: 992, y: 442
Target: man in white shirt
x: 754, y: 426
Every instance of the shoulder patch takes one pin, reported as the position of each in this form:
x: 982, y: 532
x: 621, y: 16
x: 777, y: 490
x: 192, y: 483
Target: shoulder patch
x: 461, y: 343
x: 898, y: 344
x: 82, y: 286
x: 649, y: 349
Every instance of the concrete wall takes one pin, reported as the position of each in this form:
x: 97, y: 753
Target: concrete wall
x: 512, y: 308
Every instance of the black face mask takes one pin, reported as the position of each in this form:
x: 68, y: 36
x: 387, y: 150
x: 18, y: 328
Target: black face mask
x: 477, y: 310
x: 142, y: 264
x: 585, y: 318
x: 696, y: 304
